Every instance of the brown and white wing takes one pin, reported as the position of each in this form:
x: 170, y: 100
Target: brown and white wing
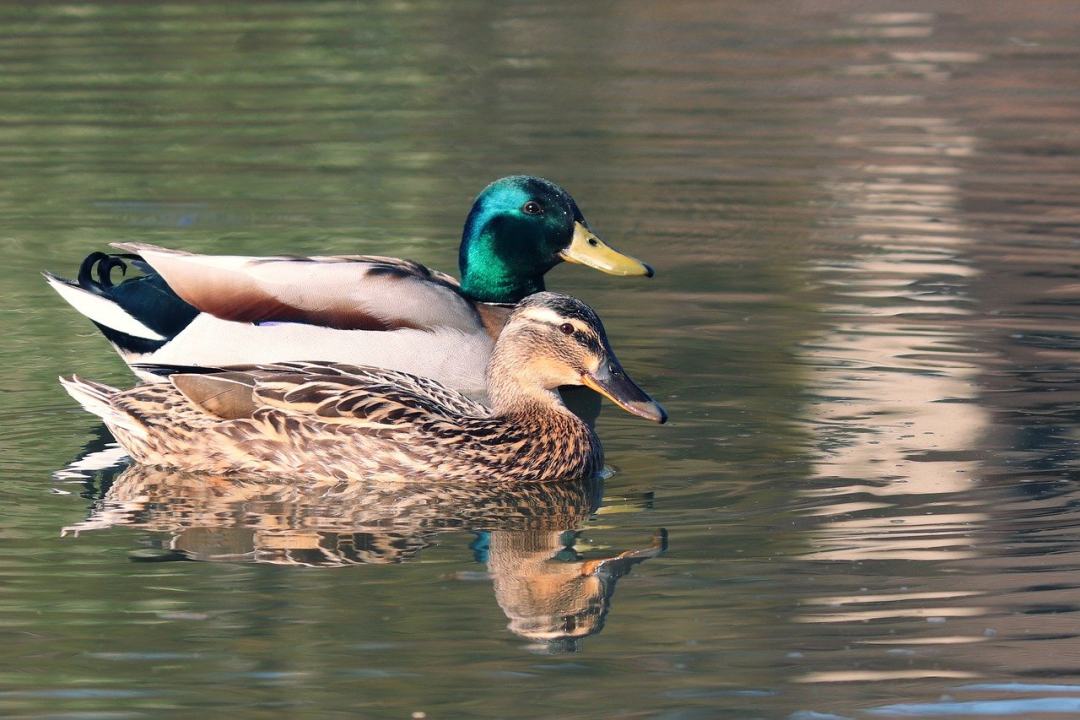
x: 355, y: 292
x: 377, y: 392
x: 327, y: 391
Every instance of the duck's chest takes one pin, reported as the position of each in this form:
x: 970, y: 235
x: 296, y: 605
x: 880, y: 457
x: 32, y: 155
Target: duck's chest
x: 533, y: 452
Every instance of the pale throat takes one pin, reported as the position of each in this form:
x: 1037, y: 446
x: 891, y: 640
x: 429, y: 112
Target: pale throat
x: 513, y: 388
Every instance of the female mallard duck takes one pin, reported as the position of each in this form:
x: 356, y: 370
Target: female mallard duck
x: 322, y: 421
x: 211, y: 310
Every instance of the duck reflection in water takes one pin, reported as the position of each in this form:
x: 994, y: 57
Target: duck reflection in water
x: 553, y: 599
x: 549, y: 593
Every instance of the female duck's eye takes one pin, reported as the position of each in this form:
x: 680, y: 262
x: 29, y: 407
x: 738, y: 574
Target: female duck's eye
x: 532, y: 208
x: 567, y: 329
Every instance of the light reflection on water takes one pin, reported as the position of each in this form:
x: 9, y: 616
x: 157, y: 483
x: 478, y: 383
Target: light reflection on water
x: 864, y: 325
x: 895, y: 382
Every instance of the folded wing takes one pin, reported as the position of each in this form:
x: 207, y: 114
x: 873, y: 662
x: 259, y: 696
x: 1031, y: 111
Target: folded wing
x: 328, y: 392
x: 354, y: 292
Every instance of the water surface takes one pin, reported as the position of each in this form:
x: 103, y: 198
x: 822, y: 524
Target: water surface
x: 864, y: 325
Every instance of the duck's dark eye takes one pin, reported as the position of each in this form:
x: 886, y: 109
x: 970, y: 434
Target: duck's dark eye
x: 532, y: 208
x: 567, y: 329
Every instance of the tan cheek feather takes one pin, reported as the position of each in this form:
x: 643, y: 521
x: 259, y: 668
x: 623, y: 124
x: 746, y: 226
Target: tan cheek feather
x: 551, y: 370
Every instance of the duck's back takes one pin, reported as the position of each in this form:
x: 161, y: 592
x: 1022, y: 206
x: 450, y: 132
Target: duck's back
x: 338, y: 422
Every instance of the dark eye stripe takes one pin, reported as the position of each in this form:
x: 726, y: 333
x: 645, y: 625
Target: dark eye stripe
x: 589, y: 342
x: 585, y: 338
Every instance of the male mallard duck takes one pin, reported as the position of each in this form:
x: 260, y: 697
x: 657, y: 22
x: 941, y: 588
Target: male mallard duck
x: 335, y: 422
x: 215, y: 310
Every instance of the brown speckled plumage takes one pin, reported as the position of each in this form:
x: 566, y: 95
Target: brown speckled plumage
x: 333, y: 422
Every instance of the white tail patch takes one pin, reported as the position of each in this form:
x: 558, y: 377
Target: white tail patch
x: 101, y: 310
x: 95, y: 398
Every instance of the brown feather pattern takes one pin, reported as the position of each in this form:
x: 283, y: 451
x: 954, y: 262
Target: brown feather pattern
x: 323, y: 421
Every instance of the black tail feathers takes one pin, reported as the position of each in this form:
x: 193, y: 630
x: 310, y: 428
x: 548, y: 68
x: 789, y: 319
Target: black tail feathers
x: 147, y: 298
x: 102, y: 264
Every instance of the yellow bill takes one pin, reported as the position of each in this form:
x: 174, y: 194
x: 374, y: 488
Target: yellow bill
x: 587, y: 249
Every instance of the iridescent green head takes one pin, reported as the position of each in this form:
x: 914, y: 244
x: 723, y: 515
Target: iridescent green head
x: 519, y: 228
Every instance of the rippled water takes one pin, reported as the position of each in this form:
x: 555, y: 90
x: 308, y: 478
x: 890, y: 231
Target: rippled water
x: 864, y: 325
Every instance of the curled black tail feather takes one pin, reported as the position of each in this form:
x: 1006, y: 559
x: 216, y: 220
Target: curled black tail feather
x: 103, y: 264
x: 147, y: 298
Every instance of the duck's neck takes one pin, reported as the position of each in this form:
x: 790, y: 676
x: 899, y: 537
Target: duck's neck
x: 488, y: 277
x: 512, y: 399
x: 557, y: 443
x: 552, y: 441
x: 513, y: 390
x: 516, y: 383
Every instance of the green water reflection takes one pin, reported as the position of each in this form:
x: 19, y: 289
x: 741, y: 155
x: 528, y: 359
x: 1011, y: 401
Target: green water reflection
x: 863, y: 325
